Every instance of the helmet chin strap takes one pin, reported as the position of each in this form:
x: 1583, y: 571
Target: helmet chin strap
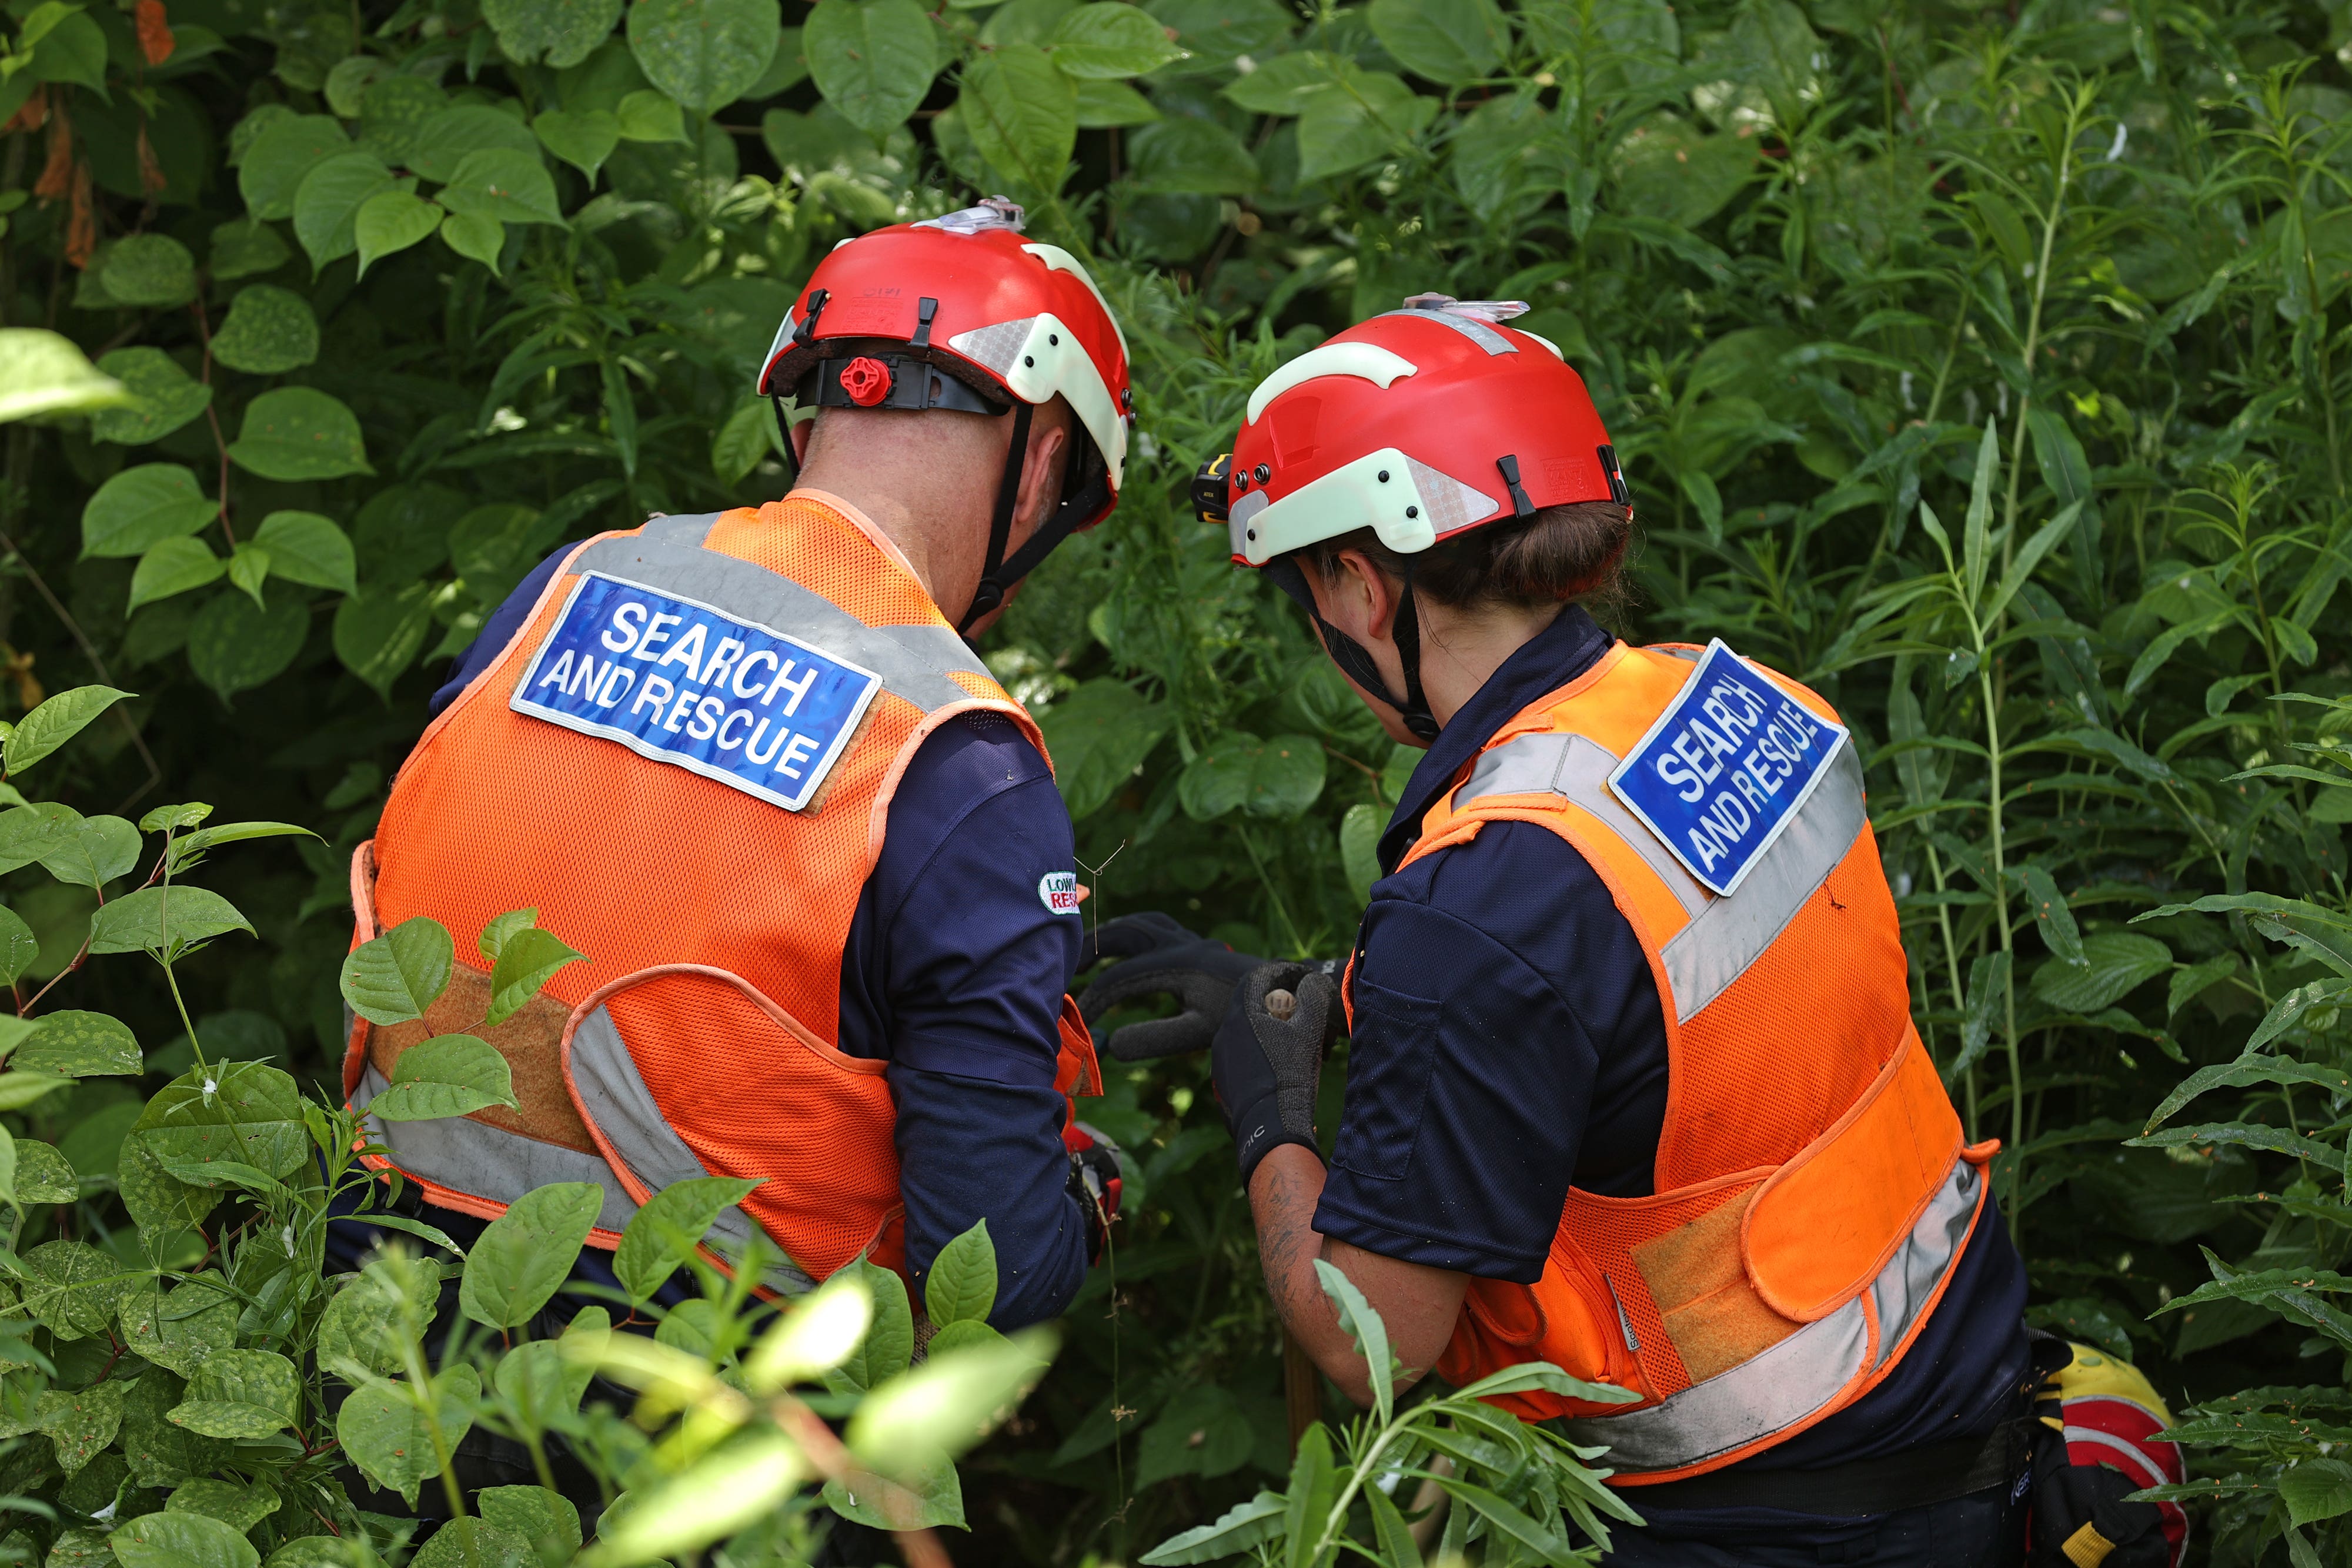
x: 993, y: 578
x: 1356, y: 661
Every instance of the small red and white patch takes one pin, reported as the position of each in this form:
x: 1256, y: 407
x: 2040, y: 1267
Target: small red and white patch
x: 1058, y: 890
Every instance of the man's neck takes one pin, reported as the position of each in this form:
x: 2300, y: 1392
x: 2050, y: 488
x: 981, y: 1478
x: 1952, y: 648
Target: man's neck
x: 885, y: 506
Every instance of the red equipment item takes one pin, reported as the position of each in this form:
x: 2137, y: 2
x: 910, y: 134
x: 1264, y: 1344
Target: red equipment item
x: 959, y: 312
x: 1420, y: 423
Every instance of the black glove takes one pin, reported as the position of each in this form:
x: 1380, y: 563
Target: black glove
x: 1267, y: 1066
x: 1160, y: 958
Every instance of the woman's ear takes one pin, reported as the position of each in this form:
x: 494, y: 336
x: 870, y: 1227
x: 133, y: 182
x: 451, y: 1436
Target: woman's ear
x: 1357, y: 597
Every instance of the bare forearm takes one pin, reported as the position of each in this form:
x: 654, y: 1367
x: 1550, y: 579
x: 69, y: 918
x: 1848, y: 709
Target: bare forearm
x: 1418, y: 1304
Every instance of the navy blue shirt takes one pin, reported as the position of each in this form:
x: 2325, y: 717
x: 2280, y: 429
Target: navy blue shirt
x: 953, y: 973
x: 1508, y: 1042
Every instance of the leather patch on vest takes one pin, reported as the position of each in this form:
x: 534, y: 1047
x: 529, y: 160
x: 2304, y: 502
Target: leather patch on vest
x: 532, y: 1042
x: 1712, y: 1313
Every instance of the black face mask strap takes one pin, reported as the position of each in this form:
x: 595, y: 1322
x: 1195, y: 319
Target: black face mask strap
x: 992, y: 580
x: 1354, y: 659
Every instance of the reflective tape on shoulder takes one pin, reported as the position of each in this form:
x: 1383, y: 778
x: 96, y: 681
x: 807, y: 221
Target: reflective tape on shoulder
x: 1725, y: 935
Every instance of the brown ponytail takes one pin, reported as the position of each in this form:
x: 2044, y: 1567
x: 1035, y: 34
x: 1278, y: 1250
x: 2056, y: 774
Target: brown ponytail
x: 1574, y: 551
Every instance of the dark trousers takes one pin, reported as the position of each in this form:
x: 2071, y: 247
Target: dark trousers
x: 1983, y: 1529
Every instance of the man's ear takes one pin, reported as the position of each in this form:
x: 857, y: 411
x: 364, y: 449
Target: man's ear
x: 800, y: 431
x: 1040, y: 471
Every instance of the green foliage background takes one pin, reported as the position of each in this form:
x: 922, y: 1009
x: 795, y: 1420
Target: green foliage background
x: 408, y: 294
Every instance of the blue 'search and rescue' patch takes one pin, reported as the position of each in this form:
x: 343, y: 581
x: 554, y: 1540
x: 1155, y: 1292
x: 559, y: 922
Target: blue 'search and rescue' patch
x: 1726, y: 767
x: 681, y: 683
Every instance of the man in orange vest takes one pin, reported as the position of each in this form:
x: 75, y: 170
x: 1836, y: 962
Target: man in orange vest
x: 1633, y: 1085
x: 812, y: 852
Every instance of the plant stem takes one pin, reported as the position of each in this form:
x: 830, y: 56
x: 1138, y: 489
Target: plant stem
x: 2007, y: 948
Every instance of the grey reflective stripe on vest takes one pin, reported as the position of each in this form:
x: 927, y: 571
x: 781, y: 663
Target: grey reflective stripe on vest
x: 1725, y: 935
x: 482, y: 1161
x: 614, y: 1098
x: 914, y: 661
x: 1775, y: 1390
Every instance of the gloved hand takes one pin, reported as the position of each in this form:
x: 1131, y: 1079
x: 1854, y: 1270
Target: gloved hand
x: 1267, y: 1060
x: 1093, y: 1181
x: 1160, y: 958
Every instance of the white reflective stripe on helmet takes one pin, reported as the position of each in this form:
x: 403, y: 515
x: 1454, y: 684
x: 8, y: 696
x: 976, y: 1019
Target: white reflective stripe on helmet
x: 1367, y: 361
x: 1060, y: 260
x: 1038, y: 356
x: 1405, y: 501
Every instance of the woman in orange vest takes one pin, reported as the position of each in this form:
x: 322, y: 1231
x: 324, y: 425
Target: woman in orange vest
x: 1633, y: 1085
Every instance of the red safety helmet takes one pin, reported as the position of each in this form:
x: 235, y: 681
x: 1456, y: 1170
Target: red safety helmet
x: 1420, y: 423
x: 959, y: 312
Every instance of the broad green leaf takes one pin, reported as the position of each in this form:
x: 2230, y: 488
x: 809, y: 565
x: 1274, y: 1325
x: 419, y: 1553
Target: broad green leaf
x: 244, y: 247
x: 2245, y: 1135
x: 705, y: 53
x: 364, y: 1323
x: 1447, y: 41
x: 163, y: 920
x: 817, y: 1335
x: 949, y: 1403
x: 742, y: 440
x: 583, y: 140
x: 268, y: 330
x: 184, y: 814
x: 327, y: 206
x: 44, y: 372
x: 1532, y: 1374
x: 299, y: 432
x: 1109, y: 41
x: 934, y: 1487
x: 1312, y: 1483
x: 545, y: 1384
x: 248, y: 570
x: 1278, y: 778
x: 1285, y: 83
x: 140, y: 505
x: 159, y: 1453
x: 89, y: 852
x: 246, y: 1113
x: 476, y: 236
x: 171, y: 567
x: 503, y: 183
x: 740, y: 1480
x: 448, y: 1075
x: 889, y: 1343
x: 1187, y: 154
x: 392, y: 221
x: 274, y: 167
x: 161, y: 397
x: 527, y: 960
x: 379, y: 631
x: 80, y: 1045
x: 1344, y: 127
x: 449, y: 136
x: 562, y: 30
x: 399, y: 975
x: 1359, y: 839
x: 544, y: 1519
x: 2250, y: 1068
x: 81, y: 1423
x: 1103, y: 104
x: 502, y: 926
x: 161, y: 1205
x: 663, y: 1233
x: 526, y: 1253
x: 73, y: 1289
x: 2316, y: 1489
x: 1390, y: 1529
x: 235, y: 644
x: 241, y: 1394
x: 961, y: 1285
x: 2114, y: 963
x: 55, y: 722
x: 873, y: 59
x: 646, y: 115
x: 1099, y: 734
x: 1022, y: 115
x: 308, y: 548
x: 389, y: 1436
x: 150, y: 269
x: 241, y: 1508
x: 42, y: 1175
x: 18, y: 1089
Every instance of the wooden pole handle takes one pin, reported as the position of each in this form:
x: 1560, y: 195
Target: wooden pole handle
x: 1302, y: 1390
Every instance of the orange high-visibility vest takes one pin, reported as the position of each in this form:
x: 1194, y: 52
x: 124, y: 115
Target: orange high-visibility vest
x: 684, y: 760
x: 1811, y: 1188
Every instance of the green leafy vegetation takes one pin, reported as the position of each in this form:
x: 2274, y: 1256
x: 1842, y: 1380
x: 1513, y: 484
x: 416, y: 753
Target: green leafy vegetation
x: 1985, y: 368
